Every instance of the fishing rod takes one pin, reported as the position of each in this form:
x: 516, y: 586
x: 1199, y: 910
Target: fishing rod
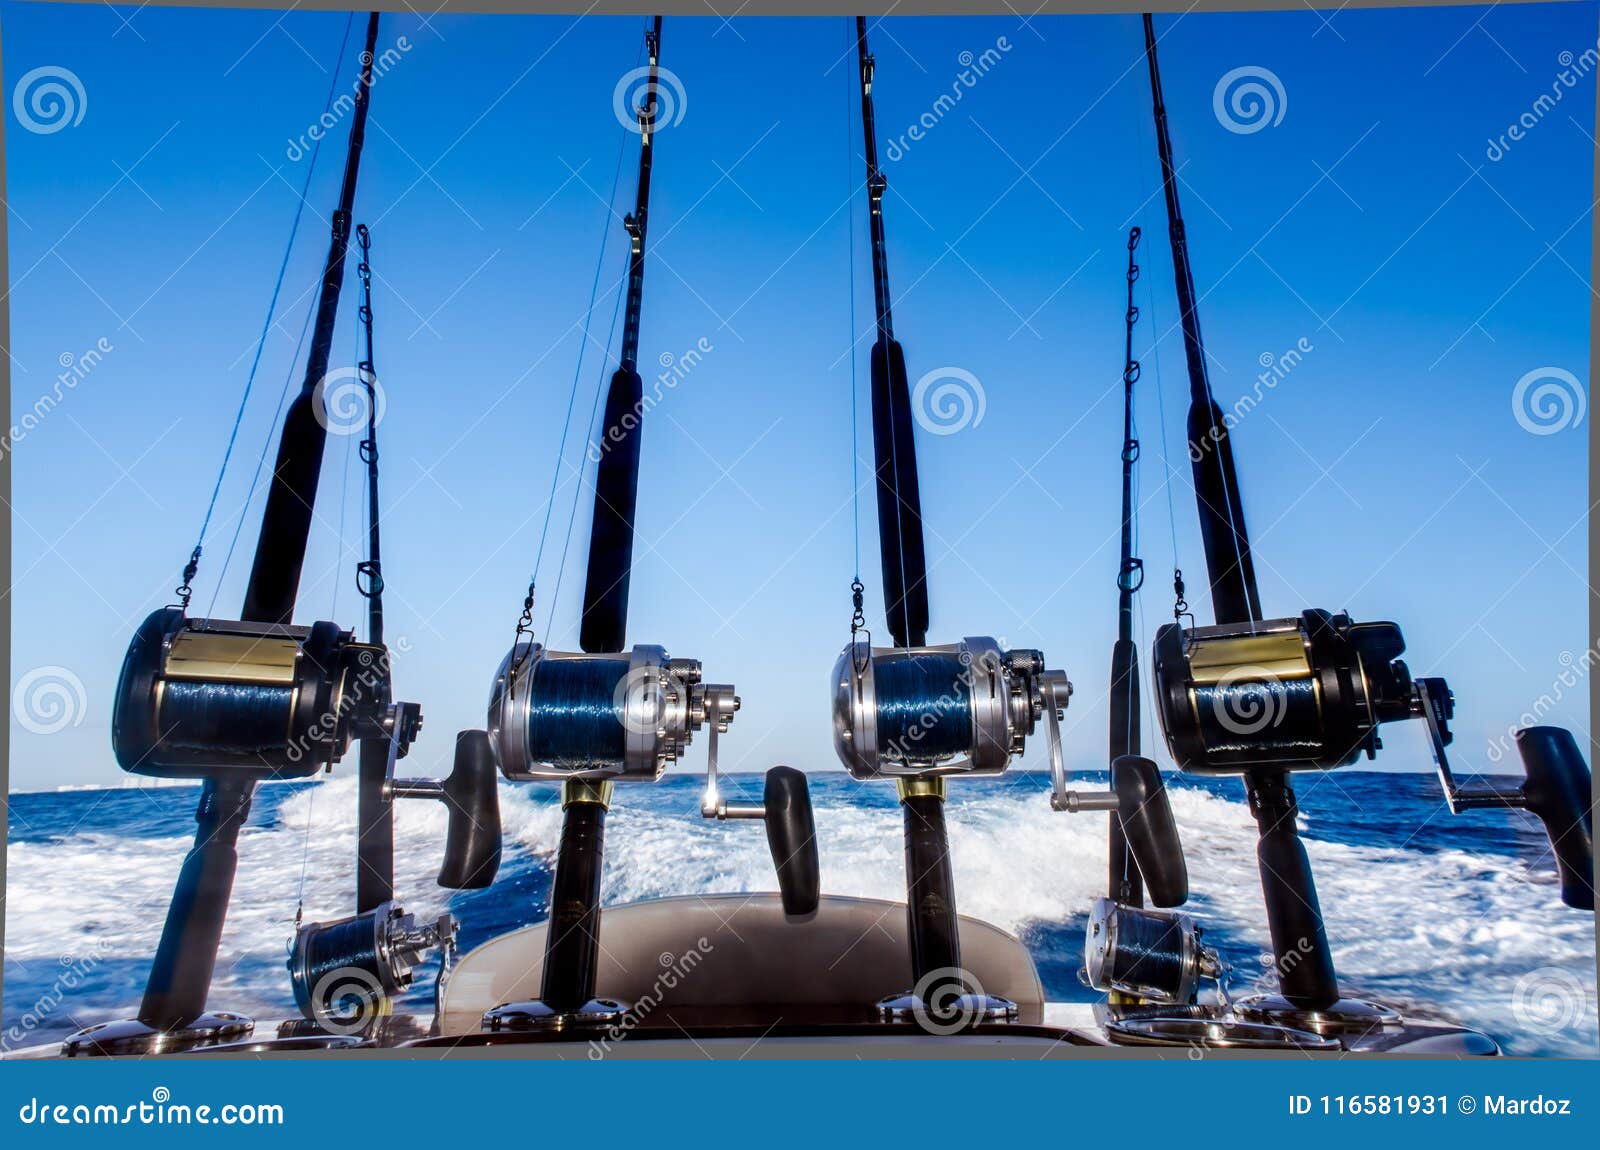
x: 343, y: 972
x: 609, y: 713
x: 918, y: 714
x: 472, y: 846
x: 237, y: 682
x: 231, y: 703
x: 1226, y: 541
x: 605, y: 600
x: 1137, y: 956
x: 1264, y: 697
x: 900, y: 541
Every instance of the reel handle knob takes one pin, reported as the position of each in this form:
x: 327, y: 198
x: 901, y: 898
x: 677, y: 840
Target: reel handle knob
x: 1560, y: 791
x: 472, y: 844
x: 792, y: 837
x: 1152, y: 834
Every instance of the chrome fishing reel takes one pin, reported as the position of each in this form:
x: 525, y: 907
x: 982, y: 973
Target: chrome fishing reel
x: 565, y: 715
x: 346, y: 972
x: 201, y: 695
x: 1153, y: 955
x: 964, y: 708
x: 1151, y: 964
x: 1300, y: 693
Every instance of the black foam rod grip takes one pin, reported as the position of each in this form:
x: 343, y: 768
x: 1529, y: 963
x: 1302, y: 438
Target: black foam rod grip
x: 1152, y: 835
x: 616, y: 497
x: 1560, y: 791
x: 1299, y: 940
x: 792, y: 836
x: 472, y: 844
x: 905, y: 563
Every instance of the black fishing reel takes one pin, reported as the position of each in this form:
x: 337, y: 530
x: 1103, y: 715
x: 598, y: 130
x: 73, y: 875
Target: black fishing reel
x: 1300, y: 693
x: 564, y: 715
x: 1311, y: 692
x: 964, y: 708
x: 274, y: 701
x: 346, y: 972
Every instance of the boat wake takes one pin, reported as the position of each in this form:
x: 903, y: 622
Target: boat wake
x: 1463, y: 917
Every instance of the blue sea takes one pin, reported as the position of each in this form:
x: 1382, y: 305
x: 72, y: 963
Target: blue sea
x: 1453, y: 917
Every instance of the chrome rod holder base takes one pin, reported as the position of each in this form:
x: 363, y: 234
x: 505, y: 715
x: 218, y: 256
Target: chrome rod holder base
x: 535, y: 1015
x: 130, y: 1036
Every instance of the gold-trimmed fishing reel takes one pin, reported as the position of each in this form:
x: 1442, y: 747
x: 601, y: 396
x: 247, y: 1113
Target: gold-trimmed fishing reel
x: 277, y: 701
x: 1307, y: 692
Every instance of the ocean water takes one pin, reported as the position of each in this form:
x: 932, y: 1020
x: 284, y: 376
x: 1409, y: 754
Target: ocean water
x: 1452, y: 917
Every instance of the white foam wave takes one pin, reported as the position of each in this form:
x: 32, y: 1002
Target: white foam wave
x: 1449, y: 929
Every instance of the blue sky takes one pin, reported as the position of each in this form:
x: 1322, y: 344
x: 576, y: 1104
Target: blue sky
x: 1386, y: 474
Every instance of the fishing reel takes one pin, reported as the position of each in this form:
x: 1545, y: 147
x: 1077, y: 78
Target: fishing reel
x: 1311, y: 692
x: 1151, y: 964
x: 269, y: 700
x: 592, y: 719
x: 1301, y: 693
x: 564, y: 715
x: 1156, y: 956
x: 964, y: 708
x: 346, y: 972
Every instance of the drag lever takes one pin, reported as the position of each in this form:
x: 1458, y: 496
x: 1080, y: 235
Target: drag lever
x: 1138, y: 797
x: 472, y: 843
x: 785, y: 808
x: 1557, y: 788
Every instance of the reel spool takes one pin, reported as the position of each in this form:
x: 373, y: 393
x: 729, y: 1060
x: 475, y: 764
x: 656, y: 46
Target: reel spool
x: 345, y: 972
x: 1153, y: 955
x: 1304, y: 693
x: 566, y: 715
x: 200, y: 695
x: 963, y: 708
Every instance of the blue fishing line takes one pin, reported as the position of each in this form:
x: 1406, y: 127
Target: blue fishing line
x: 924, y: 706
x: 574, y: 714
x: 233, y: 718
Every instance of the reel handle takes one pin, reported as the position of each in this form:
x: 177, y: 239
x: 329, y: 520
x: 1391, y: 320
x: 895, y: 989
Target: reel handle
x: 1558, y: 788
x: 792, y: 838
x: 1152, y: 834
x: 785, y: 808
x: 1560, y: 791
x: 472, y: 843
